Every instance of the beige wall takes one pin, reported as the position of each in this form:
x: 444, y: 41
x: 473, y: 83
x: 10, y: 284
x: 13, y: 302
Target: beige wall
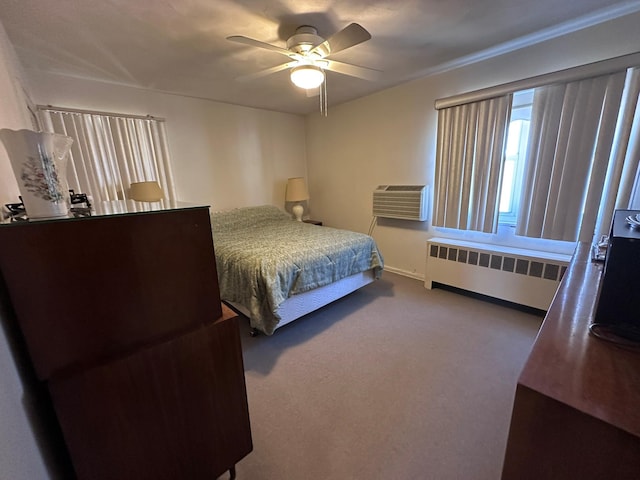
x: 389, y: 138
x: 223, y: 155
x: 20, y: 458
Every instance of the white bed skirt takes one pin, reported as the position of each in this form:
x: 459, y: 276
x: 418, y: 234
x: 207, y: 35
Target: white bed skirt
x: 299, y: 305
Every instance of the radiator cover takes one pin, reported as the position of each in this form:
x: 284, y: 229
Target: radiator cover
x: 525, y: 277
x: 406, y: 202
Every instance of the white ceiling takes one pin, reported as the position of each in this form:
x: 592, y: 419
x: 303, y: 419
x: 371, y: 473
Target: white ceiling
x: 180, y: 46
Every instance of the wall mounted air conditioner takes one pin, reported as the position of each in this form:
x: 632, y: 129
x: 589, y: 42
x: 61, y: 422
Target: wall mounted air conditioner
x: 407, y: 202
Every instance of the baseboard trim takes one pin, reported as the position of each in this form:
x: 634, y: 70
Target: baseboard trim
x: 404, y: 273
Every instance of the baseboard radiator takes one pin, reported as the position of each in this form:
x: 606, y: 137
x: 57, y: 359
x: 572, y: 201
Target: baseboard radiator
x: 525, y: 277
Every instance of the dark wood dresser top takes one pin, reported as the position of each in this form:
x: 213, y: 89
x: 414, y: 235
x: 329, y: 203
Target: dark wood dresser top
x: 567, y: 364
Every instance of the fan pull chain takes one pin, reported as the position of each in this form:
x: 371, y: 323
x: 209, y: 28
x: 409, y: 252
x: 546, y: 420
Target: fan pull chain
x: 323, y: 97
x: 326, y: 101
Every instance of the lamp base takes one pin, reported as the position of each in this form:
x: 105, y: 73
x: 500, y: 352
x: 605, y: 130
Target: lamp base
x: 297, y: 210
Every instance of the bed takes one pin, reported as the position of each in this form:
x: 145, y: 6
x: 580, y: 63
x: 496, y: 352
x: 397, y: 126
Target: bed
x: 274, y: 269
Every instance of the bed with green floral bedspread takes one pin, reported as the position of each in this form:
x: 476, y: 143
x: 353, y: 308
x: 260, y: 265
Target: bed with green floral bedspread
x: 263, y: 257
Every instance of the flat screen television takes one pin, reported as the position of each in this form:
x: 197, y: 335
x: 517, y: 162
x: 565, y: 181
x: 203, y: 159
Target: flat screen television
x: 618, y: 304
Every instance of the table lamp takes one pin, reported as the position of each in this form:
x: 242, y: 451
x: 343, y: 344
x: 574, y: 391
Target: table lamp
x: 146, y: 191
x: 297, y: 192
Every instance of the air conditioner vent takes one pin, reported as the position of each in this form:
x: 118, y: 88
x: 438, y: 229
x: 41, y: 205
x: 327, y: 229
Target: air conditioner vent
x: 406, y: 202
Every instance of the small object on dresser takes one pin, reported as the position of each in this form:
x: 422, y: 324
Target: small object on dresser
x: 634, y: 220
x: 599, y: 249
x: 80, y: 204
x: 15, y: 212
x: 79, y: 198
x: 39, y: 162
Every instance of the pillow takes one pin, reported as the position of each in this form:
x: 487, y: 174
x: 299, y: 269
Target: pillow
x: 244, y: 217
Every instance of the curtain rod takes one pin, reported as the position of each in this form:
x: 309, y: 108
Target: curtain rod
x: 97, y: 112
x: 572, y: 74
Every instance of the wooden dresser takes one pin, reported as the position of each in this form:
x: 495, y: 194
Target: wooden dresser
x: 122, y: 319
x: 576, y: 413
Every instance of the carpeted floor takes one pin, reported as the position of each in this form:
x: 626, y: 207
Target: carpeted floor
x: 392, y: 382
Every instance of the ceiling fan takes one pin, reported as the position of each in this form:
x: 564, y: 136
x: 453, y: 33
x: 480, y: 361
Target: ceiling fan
x: 308, y: 53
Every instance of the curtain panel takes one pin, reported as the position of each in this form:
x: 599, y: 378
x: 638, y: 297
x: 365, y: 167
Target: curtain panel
x: 623, y: 174
x: 469, y: 158
x: 110, y: 152
x: 570, y: 143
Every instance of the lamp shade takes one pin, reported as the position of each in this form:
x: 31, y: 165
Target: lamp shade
x: 296, y: 190
x: 307, y: 76
x: 146, y: 191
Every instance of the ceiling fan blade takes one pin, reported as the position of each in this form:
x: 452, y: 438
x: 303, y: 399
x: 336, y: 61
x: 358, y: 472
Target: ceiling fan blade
x: 256, y: 43
x: 352, y: 70
x: 349, y: 36
x: 268, y: 71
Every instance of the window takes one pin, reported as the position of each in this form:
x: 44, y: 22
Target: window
x: 111, y: 151
x: 515, y: 155
x: 552, y: 159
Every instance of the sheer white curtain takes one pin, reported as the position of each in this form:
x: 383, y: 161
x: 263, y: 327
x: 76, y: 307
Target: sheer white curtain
x: 469, y: 159
x: 570, y: 143
x: 111, y: 151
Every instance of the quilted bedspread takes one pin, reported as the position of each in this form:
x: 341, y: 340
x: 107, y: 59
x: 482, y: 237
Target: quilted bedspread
x: 263, y: 257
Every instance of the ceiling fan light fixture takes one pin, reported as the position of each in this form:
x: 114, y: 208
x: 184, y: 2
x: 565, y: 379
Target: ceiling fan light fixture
x: 307, y: 76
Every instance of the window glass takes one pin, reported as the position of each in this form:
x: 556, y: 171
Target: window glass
x: 515, y: 155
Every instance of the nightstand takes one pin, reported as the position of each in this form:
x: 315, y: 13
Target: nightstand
x: 313, y: 222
